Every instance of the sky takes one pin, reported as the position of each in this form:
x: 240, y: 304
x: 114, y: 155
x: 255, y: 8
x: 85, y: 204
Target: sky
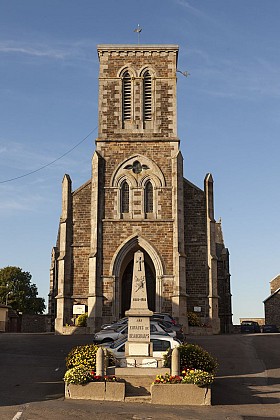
x: 228, y: 119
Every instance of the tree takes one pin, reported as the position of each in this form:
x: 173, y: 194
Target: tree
x: 17, y: 291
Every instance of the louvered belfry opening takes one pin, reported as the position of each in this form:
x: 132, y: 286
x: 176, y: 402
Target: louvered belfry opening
x: 126, y: 96
x: 149, y: 198
x: 147, y: 96
x: 125, y: 197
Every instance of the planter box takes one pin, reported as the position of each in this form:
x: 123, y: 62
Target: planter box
x: 98, y: 391
x: 115, y: 391
x: 180, y: 394
x: 89, y: 391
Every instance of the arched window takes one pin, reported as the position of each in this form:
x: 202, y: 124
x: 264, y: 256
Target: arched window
x: 125, y: 197
x: 147, y: 96
x: 149, y: 198
x: 126, y: 93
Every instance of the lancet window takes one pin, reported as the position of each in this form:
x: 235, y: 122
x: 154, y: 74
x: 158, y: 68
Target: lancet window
x: 124, y: 197
x: 147, y: 96
x: 149, y: 197
x: 126, y: 95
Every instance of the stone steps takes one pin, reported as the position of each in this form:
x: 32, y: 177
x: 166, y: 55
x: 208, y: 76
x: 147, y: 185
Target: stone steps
x: 139, y: 380
x: 138, y: 399
x: 138, y: 385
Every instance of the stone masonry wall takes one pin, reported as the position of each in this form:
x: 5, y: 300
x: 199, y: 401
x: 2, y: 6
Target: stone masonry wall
x: 162, y: 61
x: 81, y: 238
x: 272, y: 310
x: 275, y: 284
x: 196, y: 248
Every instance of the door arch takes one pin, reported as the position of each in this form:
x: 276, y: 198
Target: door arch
x: 123, y: 255
x: 126, y: 285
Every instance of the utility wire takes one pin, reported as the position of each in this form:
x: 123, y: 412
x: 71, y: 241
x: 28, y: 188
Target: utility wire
x: 50, y: 163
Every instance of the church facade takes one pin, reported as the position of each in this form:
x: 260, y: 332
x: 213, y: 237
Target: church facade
x: 138, y: 199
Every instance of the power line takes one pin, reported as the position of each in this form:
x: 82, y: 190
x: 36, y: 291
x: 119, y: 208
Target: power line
x: 50, y: 163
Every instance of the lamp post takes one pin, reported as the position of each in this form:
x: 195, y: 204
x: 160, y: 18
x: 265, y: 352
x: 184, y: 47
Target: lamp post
x: 9, y: 293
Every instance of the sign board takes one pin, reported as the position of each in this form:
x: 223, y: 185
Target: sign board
x: 197, y: 309
x: 79, y: 309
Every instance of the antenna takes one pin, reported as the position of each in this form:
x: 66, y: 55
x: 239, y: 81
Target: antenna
x: 138, y: 30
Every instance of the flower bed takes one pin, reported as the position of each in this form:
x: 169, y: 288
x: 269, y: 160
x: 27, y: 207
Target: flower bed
x: 189, y: 376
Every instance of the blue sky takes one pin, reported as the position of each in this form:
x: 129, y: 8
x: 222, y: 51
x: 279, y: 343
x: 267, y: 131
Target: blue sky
x: 228, y: 119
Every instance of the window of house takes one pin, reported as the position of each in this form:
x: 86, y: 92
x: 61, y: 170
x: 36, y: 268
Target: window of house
x: 124, y: 197
x: 126, y: 96
x: 147, y: 96
x: 149, y: 197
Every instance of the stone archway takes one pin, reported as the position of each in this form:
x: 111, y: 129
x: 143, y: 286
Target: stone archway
x: 126, y: 282
x: 121, y: 272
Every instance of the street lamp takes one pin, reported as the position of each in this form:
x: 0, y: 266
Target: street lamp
x: 9, y: 293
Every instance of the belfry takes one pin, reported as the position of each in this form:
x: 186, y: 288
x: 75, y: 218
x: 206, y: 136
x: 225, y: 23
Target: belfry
x: 138, y: 199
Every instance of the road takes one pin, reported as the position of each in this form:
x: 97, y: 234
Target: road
x: 247, y: 386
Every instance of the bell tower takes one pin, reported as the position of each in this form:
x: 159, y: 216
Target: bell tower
x: 137, y: 178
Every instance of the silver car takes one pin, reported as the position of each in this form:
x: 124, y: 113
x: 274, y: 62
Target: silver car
x: 106, y: 336
x: 161, y: 344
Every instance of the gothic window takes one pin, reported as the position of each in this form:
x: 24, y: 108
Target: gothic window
x: 147, y: 96
x: 149, y: 198
x: 125, y: 197
x: 126, y: 88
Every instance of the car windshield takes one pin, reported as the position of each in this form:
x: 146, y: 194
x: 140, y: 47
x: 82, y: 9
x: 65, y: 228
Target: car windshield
x: 122, y: 327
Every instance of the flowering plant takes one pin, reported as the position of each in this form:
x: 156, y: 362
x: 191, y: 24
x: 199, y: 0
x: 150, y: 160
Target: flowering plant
x: 167, y: 379
x: 197, y: 377
x: 77, y: 375
x: 189, y: 376
x: 105, y: 378
x: 86, y: 355
x: 80, y: 375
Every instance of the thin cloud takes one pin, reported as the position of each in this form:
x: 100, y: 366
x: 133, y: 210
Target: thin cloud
x: 16, y: 199
x: 77, y: 50
x: 37, y: 51
x: 196, y: 12
x: 231, y: 78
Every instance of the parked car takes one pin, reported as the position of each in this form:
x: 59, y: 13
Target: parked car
x: 269, y: 329
x: 177, y: 328
x: 161, y: 344
x: 114, y: 325
x: 250, y: 327
x: 164, y: 316
x: 156, y: 316
x: 109, y: 335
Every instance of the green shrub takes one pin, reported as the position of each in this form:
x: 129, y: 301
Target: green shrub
x: 194, y: 319
x: 85, y: 356
x: 82, y: 320
x: 193, y: 356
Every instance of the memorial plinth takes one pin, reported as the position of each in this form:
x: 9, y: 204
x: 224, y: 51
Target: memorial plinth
x: 138, y: 343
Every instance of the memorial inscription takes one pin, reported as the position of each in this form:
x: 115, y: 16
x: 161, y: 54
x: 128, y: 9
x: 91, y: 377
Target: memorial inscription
x: 138, y: 343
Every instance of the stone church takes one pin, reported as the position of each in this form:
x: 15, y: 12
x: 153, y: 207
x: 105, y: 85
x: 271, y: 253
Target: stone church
x: 138, y: 199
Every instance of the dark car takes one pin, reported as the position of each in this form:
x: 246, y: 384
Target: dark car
x: 250, y: 327
x: 270, y: 329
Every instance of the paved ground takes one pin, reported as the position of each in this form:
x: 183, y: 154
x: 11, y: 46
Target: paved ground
x: 32, y: 365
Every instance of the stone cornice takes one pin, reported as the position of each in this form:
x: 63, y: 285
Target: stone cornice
x: 129, y: 49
